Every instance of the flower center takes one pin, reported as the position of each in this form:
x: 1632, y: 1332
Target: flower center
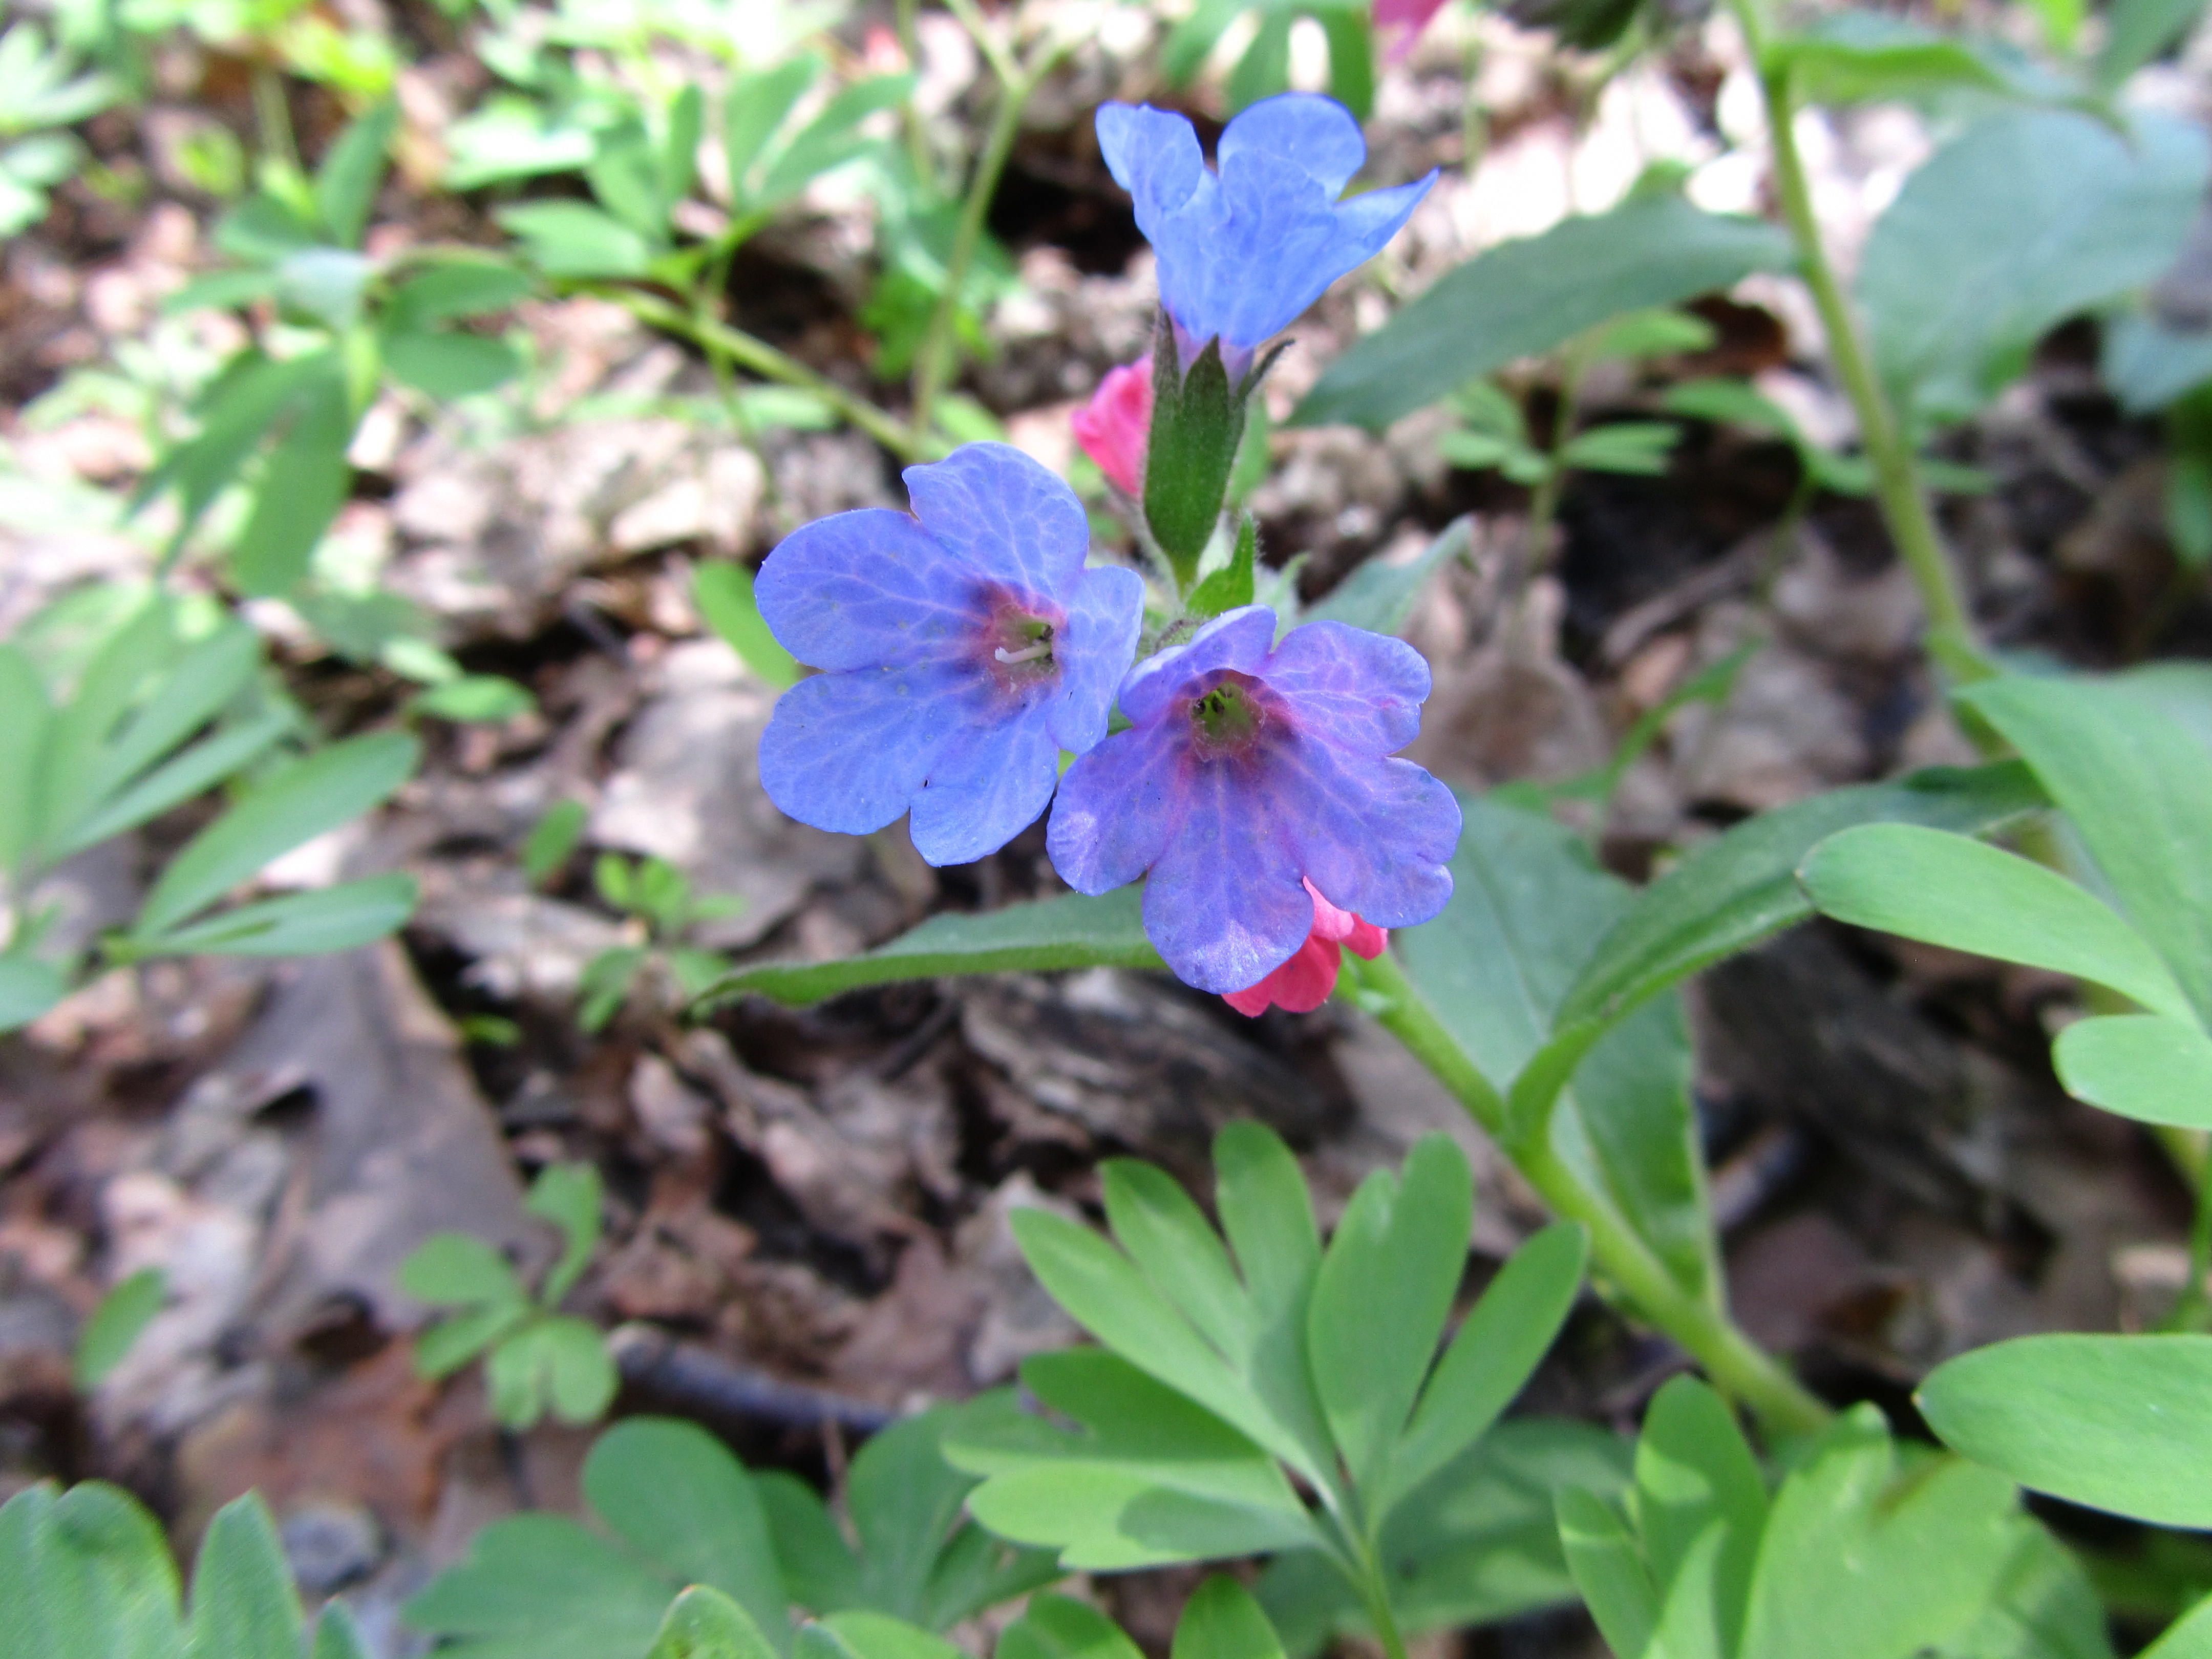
x: 1017, y: 646
x: 1226, y: 718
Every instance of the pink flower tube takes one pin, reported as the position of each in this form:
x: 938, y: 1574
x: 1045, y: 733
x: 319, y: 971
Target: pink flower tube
x: 1112, y: 426
x: 1304, y: 983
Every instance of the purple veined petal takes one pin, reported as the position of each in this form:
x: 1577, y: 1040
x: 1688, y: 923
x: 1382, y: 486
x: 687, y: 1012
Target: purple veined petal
x: 1115, y: 810
x: 1283, y: 241
x: 986, y: 788
x: 1358, y: 690
x: 862, y: 588
x: 1094, y: 649
x: 846, y: 752
x: 1374, y: 836
x: 1236, y: 639
x: 1152, y: 155
x: 1317, y: 133
x: 1009, y: 517
x: 1225, y: 907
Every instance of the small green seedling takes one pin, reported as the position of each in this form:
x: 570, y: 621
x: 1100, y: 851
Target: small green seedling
x: 537, y: 1359
x: 658, y: 899
x: 123, y: 1313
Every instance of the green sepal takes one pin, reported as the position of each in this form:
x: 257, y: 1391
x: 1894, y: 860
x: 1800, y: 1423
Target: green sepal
x: 1198, y: 421
x: 1231, y: 585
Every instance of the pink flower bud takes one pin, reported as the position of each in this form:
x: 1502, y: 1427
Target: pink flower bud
x: 1304, y: 983
x: 1112, y: 426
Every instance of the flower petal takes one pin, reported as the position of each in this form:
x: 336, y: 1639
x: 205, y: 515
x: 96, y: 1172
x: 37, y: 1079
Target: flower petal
x: 848, y: 751
x: 1225, y: 905
x: 1236, y: 639
x: 1298, y: 986
x: 1316, y: 133
x: 1093, y: 649
x: 860, y: 589
x: 1115, y: 807
x: 1359, y: 690
x: 1284, y: 239
x: 985, y: 791
x: 1152, y: 153
x: 1008, y: 516
x: 1373, y: 835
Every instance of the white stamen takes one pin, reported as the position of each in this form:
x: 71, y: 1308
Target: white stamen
x: 1042, y: 648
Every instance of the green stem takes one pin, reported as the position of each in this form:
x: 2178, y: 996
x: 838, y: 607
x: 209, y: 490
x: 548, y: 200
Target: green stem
x: 917, y: 141
x: 1375, y: 1591
x: 1732, y: 1360
x: 1896, y: 469
x: 2190, y: 1311
x: 765, y: 361
x: 933, y: 364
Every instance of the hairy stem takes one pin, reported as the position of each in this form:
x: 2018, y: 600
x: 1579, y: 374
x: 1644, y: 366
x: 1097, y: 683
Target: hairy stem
x: 765, y: 361
x: 1898, y: 489
x: 1639, y: 1280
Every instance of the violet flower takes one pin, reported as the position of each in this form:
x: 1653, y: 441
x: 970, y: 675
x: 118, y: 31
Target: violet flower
x: 962, y: 654
x: 1250, y: 770
x: 1242, y: 254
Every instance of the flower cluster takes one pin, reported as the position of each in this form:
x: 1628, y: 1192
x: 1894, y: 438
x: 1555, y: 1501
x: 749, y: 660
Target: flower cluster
x: 967, y: 654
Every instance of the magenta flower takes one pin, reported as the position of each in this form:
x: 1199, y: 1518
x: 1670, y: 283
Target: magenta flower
x: 962, y: 651
x: 1304, y: 983
x: 1250, y: 771
x: 1402, y: 23
x: 1113, y: 426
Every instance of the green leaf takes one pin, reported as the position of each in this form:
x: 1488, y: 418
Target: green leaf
x: 236, y: 411
x: 454, y: 287
x: 444, y: 1347
x: 1070, y: 931
x: 2191, y: 1637
x: 1849, y: 1568
x: 1231, y: 586
x: 1951, y: 890
x: 905, y: 1502
x: 444, y: 366
x: 489, y: 699
x: 860, y: 1635
x: 1222, y: 1621
x: 28, y: 987
x: 123, y: 1313
x: 223, y: 755
x: 553, y: 838
x: 300, y: 489
x: 2115, y: 1423
x: 2141, y: 1066
x: 569, y: 1196
x: 1634, y: 447
x: 1698, y: 1488
x: 703, y: 1623
x: 820, y: 1571
x: 724, y: 595
x: 453, y: 1270
x: 1381, y: 1299
x: 2138, y: 31
x: 829, y: 139
x: 1609, y: 1572
x: 337, y: 1635
x: 313, y: 923
x: 182, y: 697
x: 86, y: 1573
x: 569, y: 239
x: 606, y: 985
x: 307, y: 799
x: 1498, y: 1347
x: 1152, y: 1479
x: 346, y: 183
x: 1741, y: 888
x: 2138, y: 788
x: 1380, y: 597
x: 1166, y: 1235
x: 754, y: 106
x: 23, y: 736
x: 1526, y: 297
x: 2025, y: 219
x: 1060, y: 1627
x: 555, y: 1363
x: 543, y: 1587
x: 675, y: 1493
x: 244, y: 1605
x: 1866, y: 57
x: 1106, y: 1294
x: 1478, y: 1542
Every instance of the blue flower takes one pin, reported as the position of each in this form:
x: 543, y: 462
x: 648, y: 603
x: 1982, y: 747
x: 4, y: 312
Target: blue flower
x: 962, y: 654
x: 1248, y: 770
x: 1242, y: 254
